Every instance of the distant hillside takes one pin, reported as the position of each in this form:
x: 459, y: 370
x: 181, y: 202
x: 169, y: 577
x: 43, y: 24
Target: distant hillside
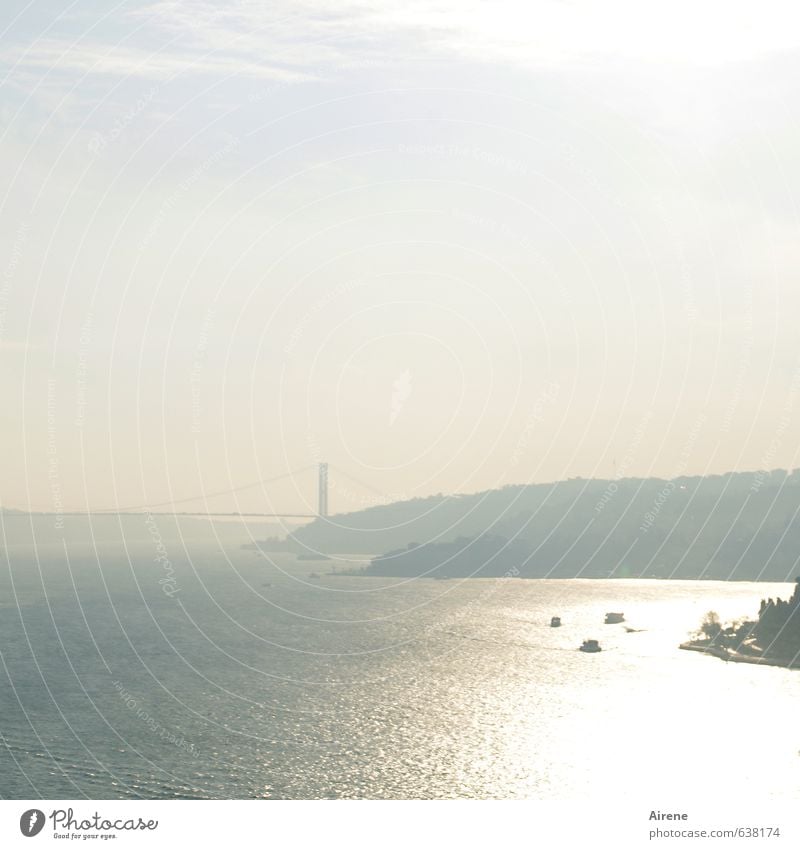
x: 474, y: 557
x: 743, y: 526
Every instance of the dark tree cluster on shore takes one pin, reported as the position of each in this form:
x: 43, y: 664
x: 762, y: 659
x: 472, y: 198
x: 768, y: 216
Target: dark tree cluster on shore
x: 774, y: 636
x: 778, y: 623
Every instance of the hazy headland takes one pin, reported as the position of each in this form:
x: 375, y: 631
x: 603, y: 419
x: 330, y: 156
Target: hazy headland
x: 737, y: 526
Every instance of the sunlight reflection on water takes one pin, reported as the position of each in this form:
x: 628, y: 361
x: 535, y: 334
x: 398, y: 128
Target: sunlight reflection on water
x: 357, y: 687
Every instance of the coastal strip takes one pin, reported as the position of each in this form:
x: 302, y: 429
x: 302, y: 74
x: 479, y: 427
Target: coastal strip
x: 740, y: 657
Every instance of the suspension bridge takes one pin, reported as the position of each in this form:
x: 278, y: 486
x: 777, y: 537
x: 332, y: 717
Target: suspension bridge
x: 322, y: 500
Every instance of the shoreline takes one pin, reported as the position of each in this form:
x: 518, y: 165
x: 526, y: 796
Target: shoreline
x: 740, y: 657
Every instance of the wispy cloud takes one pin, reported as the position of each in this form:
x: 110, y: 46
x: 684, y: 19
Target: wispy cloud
x: 519, y: 32
x: 123, y: 61
x: 291, y: 39
x: 401, y: 392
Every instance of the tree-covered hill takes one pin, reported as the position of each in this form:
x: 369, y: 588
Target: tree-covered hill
x: 742, y: 526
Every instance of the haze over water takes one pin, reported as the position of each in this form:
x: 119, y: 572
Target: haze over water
x: 257, y: 681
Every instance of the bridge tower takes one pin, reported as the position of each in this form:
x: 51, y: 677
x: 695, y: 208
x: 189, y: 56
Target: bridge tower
x: 322, y: 487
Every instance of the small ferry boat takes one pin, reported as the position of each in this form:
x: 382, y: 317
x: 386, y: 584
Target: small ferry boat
x: 614, y: 618
x: 555, y: 622
x: 590, y: 646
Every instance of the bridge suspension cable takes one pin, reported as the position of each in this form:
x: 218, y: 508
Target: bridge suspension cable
x: 206, y: 495
x: 356, y: 480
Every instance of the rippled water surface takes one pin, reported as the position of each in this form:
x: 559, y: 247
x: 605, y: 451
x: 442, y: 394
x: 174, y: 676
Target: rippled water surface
x: 258, y: 681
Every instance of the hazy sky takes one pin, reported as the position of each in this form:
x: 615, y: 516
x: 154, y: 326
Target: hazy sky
x: 445, y: 246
